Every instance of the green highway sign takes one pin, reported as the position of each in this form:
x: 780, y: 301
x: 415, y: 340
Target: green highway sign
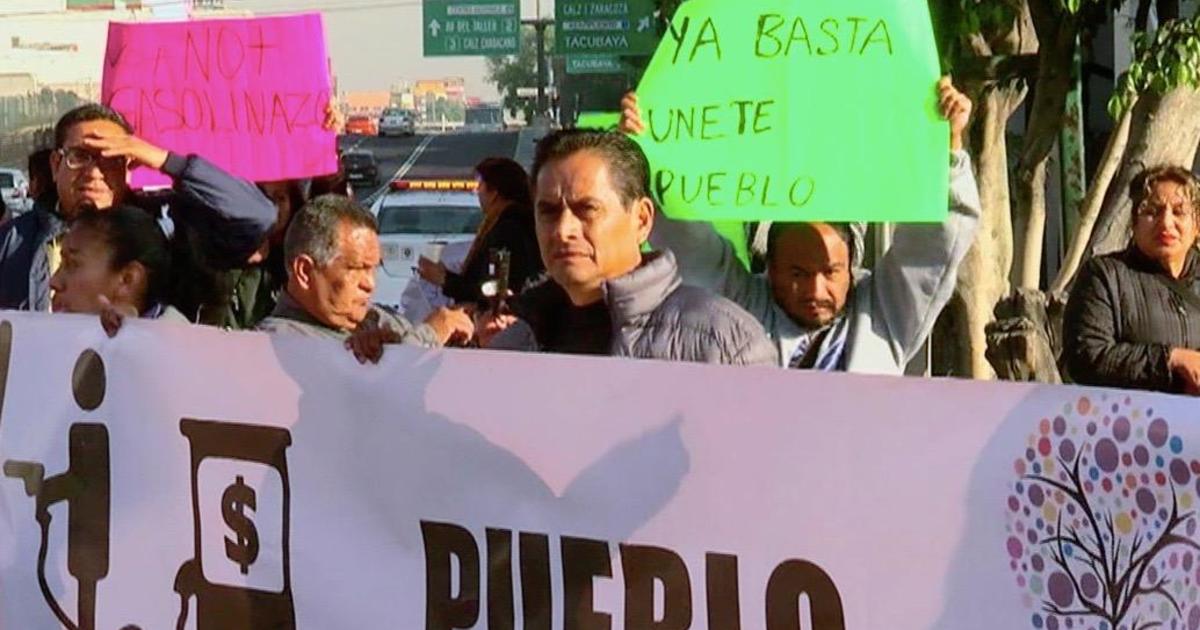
x: 621, y: 27
x: 594, y: 64
x: 466, y: 28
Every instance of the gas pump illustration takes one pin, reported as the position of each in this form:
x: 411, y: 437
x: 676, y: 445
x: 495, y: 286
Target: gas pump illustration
x: 85, y: 487
x: 240, y: 576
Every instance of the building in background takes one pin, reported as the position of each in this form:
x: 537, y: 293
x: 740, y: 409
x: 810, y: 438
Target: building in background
x: 365, y: 103
x: 440, y: 100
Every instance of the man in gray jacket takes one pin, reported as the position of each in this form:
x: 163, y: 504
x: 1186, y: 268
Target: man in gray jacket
x: 605, y: 295
x: 821, y: 309
x: 331, y: 251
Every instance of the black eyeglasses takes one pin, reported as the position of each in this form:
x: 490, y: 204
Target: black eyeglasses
x: 77, y: 158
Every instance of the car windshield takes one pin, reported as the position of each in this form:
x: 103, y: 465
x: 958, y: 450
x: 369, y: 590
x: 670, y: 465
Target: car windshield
x: 357, y: 159
x: 6, y: 180
x: 429, y: 220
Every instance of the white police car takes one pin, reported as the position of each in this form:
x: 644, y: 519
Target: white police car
x: 419, y: 218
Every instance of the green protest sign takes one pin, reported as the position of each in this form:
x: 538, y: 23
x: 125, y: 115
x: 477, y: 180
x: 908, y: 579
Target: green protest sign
x: 598, y: 120
x: 782, y: 110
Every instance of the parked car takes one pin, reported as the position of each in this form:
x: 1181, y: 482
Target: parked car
x: 14, y: 190
x: 397, y: 122
x: 361, y: 125
x: 360, y: 167
x: 419, y: 218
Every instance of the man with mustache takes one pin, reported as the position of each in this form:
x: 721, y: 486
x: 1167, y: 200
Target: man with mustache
x: 820, y: 307
x: 94, y: 150
x: 331, y: 251
x: 606, y: 296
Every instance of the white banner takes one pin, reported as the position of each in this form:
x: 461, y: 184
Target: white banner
x: 193, y: 478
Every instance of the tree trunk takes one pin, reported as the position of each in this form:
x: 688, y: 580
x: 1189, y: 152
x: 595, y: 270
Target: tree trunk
x: 1055, y: 60
x: 1090, y: 211
x: 1030, y: 226
x: 1165, y: 129
x: 983, y: 276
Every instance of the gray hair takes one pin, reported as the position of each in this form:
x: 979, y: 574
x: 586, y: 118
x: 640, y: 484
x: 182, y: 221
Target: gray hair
x: 314, y: 230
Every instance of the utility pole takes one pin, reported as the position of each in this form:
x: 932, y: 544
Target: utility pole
x: 539, y: 24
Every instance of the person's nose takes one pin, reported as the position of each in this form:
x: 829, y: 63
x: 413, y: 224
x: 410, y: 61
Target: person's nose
x: 57, y: 282
x: 568, y: 227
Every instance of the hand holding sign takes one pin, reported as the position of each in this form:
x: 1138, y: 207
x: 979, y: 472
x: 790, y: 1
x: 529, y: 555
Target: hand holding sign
x: 814, y: 111
x: 956, y: 108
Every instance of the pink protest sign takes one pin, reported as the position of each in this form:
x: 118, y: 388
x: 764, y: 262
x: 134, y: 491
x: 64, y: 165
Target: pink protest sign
x: 247, y: 94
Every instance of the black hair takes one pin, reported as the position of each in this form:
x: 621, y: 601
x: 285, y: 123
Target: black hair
x: 627, y: 164
x: 86, y: 113
x: 778, y: 228
x: 132, y: 235
x: 507, y: 178
x: 38, y: 165
x: 335, y: 183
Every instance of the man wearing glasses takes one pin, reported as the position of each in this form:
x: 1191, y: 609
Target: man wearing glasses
x: 94, y: 150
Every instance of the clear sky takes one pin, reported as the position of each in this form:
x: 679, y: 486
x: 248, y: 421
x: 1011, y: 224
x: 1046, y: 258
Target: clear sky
x: 375, y: 43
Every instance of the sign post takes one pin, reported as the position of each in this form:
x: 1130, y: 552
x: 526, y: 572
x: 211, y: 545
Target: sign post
x: 468, y: 28
x: 594, y: 64
x: 615, y: 27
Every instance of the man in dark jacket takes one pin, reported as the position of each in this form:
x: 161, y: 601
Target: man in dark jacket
x: 94, y: 149
x: 607, y: 297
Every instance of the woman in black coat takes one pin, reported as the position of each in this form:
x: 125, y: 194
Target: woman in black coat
x: 1133, y: 319
x: 508, y: 224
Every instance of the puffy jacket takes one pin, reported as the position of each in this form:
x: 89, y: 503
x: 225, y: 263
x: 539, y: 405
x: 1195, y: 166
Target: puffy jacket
x: 892, y: 309
x: 224, y: 214
x: 21, y: 240
x: 1122, y: 320
x: 654, y: 316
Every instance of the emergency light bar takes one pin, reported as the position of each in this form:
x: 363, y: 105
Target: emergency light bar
x: 434, y: 184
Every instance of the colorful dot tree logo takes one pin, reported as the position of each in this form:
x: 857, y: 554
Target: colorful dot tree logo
x: 1102, y: 527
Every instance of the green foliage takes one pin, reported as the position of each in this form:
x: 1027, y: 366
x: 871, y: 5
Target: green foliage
x: 1163, y: 60
x: 510, y: 72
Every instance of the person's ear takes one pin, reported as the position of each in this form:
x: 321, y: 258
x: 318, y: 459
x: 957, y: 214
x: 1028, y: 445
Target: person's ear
x: 132, y: 283
x: 56, y: 159
x: 643, y: 211
x: 303, y: 268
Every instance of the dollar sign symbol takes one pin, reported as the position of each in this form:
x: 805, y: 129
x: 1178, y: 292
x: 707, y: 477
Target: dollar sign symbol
x: 244, y: 550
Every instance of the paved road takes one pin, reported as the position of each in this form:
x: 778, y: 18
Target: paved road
x: 451, y: 156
